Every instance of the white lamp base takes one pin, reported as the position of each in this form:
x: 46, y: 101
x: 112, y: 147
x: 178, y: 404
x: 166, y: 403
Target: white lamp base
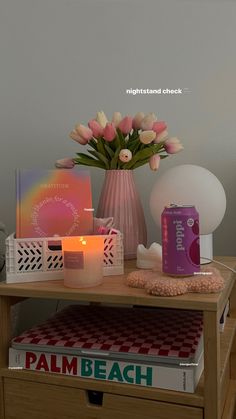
x: 206, y: 248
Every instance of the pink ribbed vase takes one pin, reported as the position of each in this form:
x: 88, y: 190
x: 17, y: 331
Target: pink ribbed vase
x: 119, y: 199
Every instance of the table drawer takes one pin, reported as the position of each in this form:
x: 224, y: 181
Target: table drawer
x: 126, y: 406
x: 28, y: 399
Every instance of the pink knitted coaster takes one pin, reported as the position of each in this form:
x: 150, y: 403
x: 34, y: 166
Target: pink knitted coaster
x: 158, y: 283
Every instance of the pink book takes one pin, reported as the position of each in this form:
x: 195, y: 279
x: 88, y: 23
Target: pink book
x: 159, y: 335
x: 53, y: 203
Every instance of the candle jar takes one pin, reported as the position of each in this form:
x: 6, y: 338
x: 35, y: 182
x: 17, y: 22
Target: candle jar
x: 83, y: 261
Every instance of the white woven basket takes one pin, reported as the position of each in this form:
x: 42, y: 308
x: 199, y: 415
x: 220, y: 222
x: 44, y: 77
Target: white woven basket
x: 31, y: 260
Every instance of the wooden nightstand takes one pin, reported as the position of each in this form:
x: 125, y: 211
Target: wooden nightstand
x: 35, y: 395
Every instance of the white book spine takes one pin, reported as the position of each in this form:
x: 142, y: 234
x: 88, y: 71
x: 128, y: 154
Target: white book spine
x: 178, y: 378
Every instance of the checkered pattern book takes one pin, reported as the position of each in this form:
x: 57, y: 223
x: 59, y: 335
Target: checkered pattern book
x: 137, y: 332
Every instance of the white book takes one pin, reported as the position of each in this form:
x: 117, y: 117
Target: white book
x: 182, y: 377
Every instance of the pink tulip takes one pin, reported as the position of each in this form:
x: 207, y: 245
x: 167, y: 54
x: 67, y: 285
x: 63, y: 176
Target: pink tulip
x: 173, y: 145
x: 154, y: 162
x: 137, y: 120
x: 96, y: 128
x: 125, y: 125
x: 109, y: 132
x: 84, y: 132
x: 161, y: 137
x: 159, y: 126
x: 66, y: 163
x: 76, y: 137
x: 148, y: 121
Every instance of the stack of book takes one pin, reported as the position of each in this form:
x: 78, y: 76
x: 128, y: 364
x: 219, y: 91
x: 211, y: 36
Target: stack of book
x: 141, y: 346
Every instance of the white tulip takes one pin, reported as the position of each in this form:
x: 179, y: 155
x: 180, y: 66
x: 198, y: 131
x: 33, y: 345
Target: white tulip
x: 116, y: 118
x: 146, y: 137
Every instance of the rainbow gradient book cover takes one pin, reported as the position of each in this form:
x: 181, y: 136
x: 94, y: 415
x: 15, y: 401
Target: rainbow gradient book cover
x: 53, y: 203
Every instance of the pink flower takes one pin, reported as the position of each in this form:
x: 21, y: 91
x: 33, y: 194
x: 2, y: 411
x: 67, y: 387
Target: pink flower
x: 96, y: 128
x: 75, y: 136
x: 159, y: 126
x: 66, y: 163
x: 137, y: 120
x: 161, y: 137
x: 84, y: 132
x: 148, y: 121
x: 125, y: 155
x: 154, y: 162
x: 147, y: 137
x: 125, y: 125
x: 173, y: 145
x: 109, y: 132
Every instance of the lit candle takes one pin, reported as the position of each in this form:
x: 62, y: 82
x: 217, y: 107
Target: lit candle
x: 83, y: 261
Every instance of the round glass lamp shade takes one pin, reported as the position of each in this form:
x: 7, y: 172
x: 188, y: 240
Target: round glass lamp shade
x: 190, y: 185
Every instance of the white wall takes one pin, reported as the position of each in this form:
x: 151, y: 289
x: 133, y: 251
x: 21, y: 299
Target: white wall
x: 62, y: 60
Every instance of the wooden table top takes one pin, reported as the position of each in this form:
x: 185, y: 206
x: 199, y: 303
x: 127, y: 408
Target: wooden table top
x: 114, y: 291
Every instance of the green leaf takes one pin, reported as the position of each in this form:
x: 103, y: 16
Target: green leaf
x: 141, y: 163
x: 134, y: 145
x: 134, y: 136
x: 109, y: 150
x: 114, y: 161
x: 145, y: 161
x: 143, y: 154
x: 88, y: 161
x: 113, y: 144
x: 93, y: 144
x: 94, y: 163
x: 163, y: 156
x: 100, y: 147
x: 100, y: 157
x: 121, y: 138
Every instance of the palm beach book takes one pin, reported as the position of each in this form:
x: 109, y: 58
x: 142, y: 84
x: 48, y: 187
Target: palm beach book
x: 151, y: 347
x: 147, y: 375
x: 53, y: 203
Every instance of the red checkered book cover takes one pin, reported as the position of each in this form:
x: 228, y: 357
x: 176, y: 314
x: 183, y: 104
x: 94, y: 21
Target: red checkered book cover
x: 137, y: 332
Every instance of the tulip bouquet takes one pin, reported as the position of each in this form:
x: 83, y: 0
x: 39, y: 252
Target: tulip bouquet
x: 122, y: 143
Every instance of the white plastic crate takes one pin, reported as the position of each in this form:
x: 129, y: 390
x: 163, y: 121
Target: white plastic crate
x: 31, y: 260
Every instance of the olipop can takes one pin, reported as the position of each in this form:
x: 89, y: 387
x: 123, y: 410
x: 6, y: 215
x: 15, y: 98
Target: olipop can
x: 180, y: 240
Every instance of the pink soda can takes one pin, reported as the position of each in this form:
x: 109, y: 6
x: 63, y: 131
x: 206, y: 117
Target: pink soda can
x: 180, y: 240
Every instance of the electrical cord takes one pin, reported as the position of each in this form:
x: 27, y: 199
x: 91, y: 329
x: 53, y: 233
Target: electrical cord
x: 4, y: 263
x: 219, y: 263
x: 57, y: 305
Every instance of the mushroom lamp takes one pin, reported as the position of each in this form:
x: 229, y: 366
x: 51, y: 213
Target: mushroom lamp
x: 192, y: 185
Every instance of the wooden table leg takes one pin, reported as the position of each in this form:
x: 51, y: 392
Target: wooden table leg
x: 211, y: 365
x: 5, y: 327
x: 5, y: 336
x: 2, y: 414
